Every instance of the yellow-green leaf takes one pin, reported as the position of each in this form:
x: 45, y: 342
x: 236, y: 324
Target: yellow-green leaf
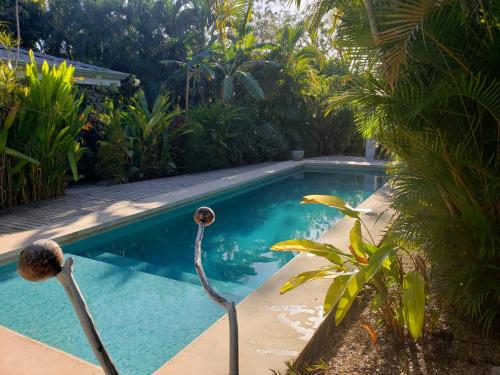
x: 324, y: 273
x: 11, y: 116
x: 20, y: 156
x: 335, y: 291
x: 357, y: 282
x: 357, y: 242
x: 73, y: 166
x: 329, y: 252
x: 331, y: 201
x: 414, y: 302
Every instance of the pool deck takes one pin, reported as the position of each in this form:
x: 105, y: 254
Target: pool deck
x: 273, y: 328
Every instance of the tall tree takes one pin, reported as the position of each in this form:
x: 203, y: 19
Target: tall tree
x: 32, y: 20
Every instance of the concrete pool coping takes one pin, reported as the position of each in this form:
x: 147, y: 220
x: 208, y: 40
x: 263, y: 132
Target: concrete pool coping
x: 287, y: 325
x: 274, y: 328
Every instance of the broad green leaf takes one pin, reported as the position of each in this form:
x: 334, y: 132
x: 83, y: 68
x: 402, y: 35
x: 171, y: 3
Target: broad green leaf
x: 11, y: 116
x: 303, y: 277
x: 377, y: 301
x: 73, y: 166
x: 357, y: 242
x: 370, y: 249
x: 331, y: 201
x: 335, y: 291
x: 20, y: 156
x: 414, y: 302
x: 251, y: 85
x: 327, y: 251
x: 358, y: 281
x: 227, y: 88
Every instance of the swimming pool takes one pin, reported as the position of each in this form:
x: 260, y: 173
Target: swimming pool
x: 139, y: 279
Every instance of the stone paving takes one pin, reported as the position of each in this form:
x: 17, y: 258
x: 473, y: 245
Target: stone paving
x: 84, y: 199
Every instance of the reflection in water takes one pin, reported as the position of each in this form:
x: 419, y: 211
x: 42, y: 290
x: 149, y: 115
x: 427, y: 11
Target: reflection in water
x: 236, y: 246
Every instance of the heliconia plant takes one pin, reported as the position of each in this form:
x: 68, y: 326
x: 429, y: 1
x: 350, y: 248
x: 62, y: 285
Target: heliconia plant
x: 138, y: 141
x: 39, y: 149
x: 376, y: 269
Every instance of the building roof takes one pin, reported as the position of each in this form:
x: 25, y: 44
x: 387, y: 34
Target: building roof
x: 90, y: 74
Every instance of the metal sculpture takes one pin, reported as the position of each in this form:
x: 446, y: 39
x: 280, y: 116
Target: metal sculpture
x: 204, y: 216
x: 44, y: 259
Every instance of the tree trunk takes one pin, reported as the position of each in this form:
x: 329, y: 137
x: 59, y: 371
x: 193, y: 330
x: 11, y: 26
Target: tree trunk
x: 186, y: 98
x: 18, y: 40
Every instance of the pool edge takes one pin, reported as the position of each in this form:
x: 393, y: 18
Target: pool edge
x: 279, y: 316
x: 125, y: 212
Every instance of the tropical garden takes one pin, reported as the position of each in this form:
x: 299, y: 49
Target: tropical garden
x: 223, y: 83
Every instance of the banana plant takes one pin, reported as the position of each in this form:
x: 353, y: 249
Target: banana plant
x: 367, y: 267
x: 196, y: 67
x: 236, y: 63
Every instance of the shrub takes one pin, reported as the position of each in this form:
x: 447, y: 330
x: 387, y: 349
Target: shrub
x: 137, y: 141
x: 399, y: 295
x: 262, y: 142
x: 44, y: 133
x: 432, y: 98
x: 213, y: 141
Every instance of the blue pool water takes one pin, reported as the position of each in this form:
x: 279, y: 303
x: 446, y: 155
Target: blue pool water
x: 139, y: 279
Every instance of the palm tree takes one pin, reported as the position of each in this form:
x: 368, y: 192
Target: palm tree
x: 426, y: 83
x: 293, y: 52
x: 231, y: 17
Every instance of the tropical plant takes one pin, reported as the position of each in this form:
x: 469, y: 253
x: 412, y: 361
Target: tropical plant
x: 213, y: 141
x: 10, y: 95
x: 231, y: 17
x: 138, y: 141
x: 116, y: 148
x: 42, y: 127
x: 369, y: 268
x: 293, y: 52
x: 235, y: 64
x: 427, y: 88
x: 197, y: 67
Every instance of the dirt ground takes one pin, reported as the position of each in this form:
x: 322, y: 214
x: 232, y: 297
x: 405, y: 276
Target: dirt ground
x: 454, y: 346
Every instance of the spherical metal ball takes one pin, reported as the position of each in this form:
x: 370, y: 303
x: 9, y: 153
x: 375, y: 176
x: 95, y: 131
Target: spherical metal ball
x: 204, y: 215
x: 41, y: 260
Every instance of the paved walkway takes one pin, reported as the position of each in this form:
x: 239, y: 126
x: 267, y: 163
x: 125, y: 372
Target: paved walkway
x: 84, y: 199
x: 85, y: 206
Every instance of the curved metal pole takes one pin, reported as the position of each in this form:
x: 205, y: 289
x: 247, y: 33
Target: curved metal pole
x: 229, y: 306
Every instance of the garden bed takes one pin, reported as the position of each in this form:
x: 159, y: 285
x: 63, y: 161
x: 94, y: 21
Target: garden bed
x: 454, y: 346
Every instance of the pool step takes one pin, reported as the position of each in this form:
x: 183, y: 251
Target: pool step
x: 143, y: 319
x: 231, y: 290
